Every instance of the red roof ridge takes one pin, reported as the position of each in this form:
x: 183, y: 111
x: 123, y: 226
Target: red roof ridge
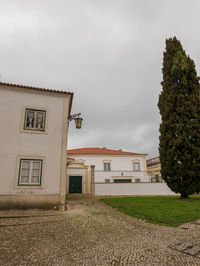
x: 41, y: 89
x: 97, y: 150
x: 34, y: 88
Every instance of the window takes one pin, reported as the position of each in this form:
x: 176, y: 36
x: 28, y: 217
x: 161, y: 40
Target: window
x: 30, y: 172
x: 107, y: 180
x: 107, y: 167
x: 157, y: 178
x: 137, y: 180
x: 136, y: 166
x: 35, y: 119
x: 122, y: 180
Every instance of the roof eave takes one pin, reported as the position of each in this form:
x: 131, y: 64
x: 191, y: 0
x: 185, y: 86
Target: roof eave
x: 35, y: 88
x: 107, y: 154
x: 42, y: 89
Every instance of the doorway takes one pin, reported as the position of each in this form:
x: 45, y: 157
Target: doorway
x: 75, y: 184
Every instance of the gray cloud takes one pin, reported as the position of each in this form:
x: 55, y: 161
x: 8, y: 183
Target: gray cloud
x: 108, y: 52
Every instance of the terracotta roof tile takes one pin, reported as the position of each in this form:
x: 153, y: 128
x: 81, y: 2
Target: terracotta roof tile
x: 103, y: 151
x: 34, y: 88
x: 41, y: 89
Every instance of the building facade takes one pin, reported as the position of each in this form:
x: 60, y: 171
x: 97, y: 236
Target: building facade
x: 110, y: 166
x: 33, y: 140
x: 153, y: 169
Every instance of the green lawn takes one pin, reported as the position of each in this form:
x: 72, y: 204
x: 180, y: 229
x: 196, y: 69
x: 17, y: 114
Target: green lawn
x: 166, y: 210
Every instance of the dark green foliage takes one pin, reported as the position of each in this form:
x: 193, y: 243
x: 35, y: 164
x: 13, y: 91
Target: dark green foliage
x: 179, y: 104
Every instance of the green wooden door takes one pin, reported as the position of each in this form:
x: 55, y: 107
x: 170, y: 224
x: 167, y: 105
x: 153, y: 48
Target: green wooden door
x: 75, y: 184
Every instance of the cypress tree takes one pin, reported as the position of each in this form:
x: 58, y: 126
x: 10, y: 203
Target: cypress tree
x: 179, y: 104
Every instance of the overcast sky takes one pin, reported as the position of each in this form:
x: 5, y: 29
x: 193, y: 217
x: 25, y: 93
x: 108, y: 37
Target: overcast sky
x: 108, y: 52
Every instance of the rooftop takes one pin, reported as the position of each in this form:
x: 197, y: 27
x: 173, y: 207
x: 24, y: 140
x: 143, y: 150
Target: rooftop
x: 34, y: 88
x: 101, y: 151
x: 153, y: 161
x: 40, y: 89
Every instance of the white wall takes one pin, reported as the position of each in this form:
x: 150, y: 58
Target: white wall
x: 134, y: 189
x: 100, y: 176
x: 119, y: 164
x: 14, y: 143
x: 122, y: 162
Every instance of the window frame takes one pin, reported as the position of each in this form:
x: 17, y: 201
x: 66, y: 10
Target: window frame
x: 137, y: 180
x: 138, y: 163
x: 35, y: 111
x: 30, y: 175
x: 109, y: 168
x: 121, y: 180
x: 157, y: 177
x: 27, y: 188
x: 25, y: 129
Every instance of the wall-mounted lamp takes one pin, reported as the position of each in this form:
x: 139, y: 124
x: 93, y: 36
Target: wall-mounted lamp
x: 78, y: 120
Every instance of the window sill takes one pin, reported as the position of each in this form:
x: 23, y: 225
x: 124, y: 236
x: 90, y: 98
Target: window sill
x: 29, y: 187
x: 33, y: 131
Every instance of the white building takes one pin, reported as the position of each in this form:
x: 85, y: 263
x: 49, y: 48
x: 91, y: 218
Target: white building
x: 33, y: 140
x: 111, y: 166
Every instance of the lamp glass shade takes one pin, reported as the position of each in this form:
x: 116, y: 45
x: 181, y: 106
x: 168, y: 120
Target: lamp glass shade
x: 78, y: 122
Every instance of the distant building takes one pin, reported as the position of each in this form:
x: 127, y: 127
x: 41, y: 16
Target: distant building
x: 153, y: 169
x: 111, y: 166
x: 33, y: 140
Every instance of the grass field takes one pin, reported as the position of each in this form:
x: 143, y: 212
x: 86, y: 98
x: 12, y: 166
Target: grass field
x: 168, y: 211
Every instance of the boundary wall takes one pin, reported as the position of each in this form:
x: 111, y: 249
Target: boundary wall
x: 132, y: 189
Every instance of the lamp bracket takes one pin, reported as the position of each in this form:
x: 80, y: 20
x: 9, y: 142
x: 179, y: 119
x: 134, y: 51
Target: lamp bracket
x: 72, y: 117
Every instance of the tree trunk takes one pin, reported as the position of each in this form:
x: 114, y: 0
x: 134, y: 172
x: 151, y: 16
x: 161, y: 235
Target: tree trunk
x: 184, y: 196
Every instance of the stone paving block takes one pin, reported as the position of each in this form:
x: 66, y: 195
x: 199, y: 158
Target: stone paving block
x: 182, y: 246
x: 194, y: 250
x: 188, y: 248
x: 91, y: 233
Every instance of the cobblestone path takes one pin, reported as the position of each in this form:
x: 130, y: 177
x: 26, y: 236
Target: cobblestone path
x: 91, y: 233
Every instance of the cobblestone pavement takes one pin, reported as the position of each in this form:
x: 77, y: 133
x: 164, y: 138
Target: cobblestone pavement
x: 91, y: 233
